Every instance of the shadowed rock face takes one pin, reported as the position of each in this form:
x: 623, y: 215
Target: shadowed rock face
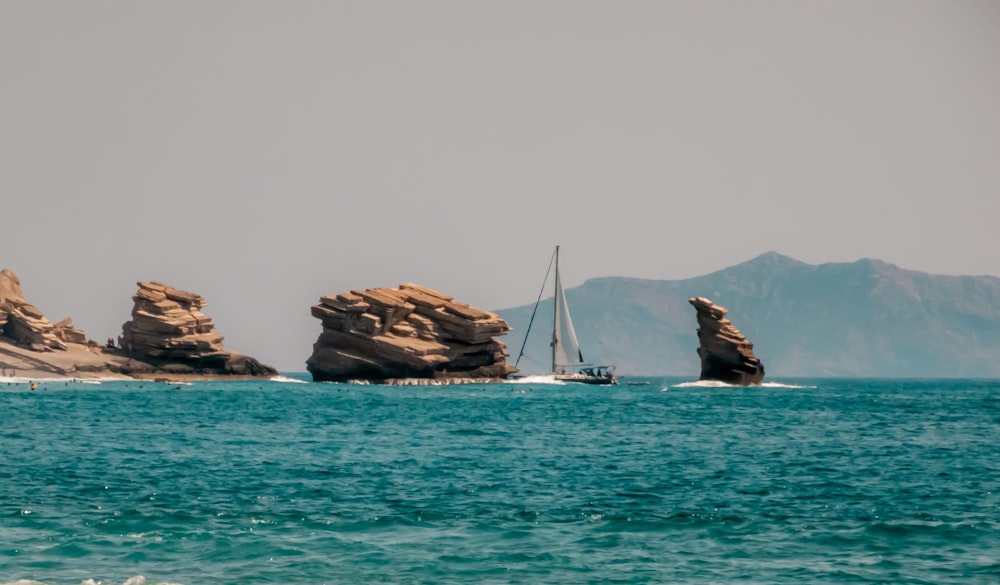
x: 406, y: 332
x: 726, y: 355
x: 25, y: 325
x: 169, y: 331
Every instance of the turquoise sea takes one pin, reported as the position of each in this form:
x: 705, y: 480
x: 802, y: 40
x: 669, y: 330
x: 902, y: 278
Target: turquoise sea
x: 281, y: 481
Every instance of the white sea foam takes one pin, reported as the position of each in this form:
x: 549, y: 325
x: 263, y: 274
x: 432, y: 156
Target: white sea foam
x: 718, y: 384
x: 23, y: 380
x: 704, y: 384
x: 780, y: 385
x: 287, y: 380
x: 137, y: 580
x: 536, y: 379
x: 27, y: 380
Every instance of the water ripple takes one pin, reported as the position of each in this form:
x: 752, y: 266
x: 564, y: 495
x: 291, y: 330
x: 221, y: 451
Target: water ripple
x: 818, y: 481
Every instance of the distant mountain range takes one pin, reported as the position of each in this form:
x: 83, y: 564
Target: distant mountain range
x: 860, y: 319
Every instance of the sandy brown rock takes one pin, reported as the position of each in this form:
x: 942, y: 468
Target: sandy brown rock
x: 21, y: 322
x: 169, y: 333
x: 76, y: 361
x: 65, y: 331
x: 406, y: 332
x: 726, y: 355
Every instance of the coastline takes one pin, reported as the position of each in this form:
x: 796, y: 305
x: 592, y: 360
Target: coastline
x: 82, y: 362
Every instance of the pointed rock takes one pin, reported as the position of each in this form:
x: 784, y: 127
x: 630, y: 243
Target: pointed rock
x: 726, y: 355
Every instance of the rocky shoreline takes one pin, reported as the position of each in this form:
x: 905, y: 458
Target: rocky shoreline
x: 411, y: 335
x: 167, y: 339
x: 79, y: 362
x: 408, y: 335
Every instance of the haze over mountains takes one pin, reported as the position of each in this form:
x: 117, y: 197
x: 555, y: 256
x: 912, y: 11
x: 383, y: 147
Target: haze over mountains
x: 861, y: 319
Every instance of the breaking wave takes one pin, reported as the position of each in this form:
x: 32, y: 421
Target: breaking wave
x: 287, y: 380
x: 536, y: 379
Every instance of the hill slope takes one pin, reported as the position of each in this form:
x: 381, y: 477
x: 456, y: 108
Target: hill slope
x: 865, y: 318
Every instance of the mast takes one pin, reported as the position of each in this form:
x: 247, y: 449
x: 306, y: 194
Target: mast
x: 538, y: 301
x: 555, y: 313
x: 563, y: 335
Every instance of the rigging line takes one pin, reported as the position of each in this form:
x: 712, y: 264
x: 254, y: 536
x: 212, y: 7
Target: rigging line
x: 536, y: 362
x: 535, y: 310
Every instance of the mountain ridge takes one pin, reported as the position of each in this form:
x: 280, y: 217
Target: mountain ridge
x: 866, y: 318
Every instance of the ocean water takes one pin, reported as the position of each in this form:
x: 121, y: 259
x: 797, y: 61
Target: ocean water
x: 808, y: 481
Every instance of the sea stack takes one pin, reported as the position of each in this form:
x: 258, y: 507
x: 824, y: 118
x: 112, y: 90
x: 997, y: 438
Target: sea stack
x: 405, y: 333
x: 169, y: 332
x: 726, y: 355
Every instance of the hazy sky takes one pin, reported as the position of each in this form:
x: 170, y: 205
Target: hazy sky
x: 263, y: 154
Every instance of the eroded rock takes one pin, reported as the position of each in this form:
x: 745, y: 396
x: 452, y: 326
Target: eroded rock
x: 21, y: 322
x: 65, y: 331
x: 406, y: 332
x: 169, y: 331
x: 726, y: 355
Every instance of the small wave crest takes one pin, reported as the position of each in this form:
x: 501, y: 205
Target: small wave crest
x: 718, y: 384
x: 704, y: 384
x: 536, y: 379
x: 287, y: 380
x: 136, y: 580
x: 29, y: 380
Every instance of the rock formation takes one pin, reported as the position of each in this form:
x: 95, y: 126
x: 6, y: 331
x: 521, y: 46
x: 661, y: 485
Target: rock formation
x: 169, y: 331
x: 65, y: 331
x: 406, y: 332
x: 168, y: 334
x: 25, y: 325
x: 725, y: 353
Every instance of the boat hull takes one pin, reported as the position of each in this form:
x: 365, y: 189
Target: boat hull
x: 608, y: 380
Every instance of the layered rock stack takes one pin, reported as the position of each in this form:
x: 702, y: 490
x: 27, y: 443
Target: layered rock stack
x: 726, y: 355
x: 408, y: 332
x: 169, y: 331
x: 65, y: 331
x: 25, y: 325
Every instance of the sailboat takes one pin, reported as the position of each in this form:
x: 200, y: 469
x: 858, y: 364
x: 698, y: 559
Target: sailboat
x: 568, y: 364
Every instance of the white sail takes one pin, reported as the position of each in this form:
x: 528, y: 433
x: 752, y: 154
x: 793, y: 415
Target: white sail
x: 565, y: 347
